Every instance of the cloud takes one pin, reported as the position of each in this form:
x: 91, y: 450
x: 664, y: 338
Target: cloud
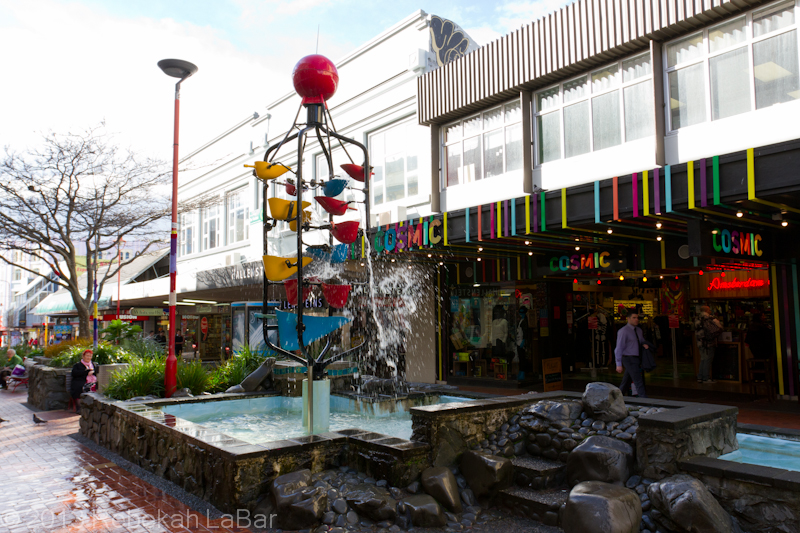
x: 513, y: 15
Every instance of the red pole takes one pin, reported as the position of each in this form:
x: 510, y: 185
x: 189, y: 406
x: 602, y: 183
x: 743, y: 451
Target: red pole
x: 171, y: 370
x: 119, y: 274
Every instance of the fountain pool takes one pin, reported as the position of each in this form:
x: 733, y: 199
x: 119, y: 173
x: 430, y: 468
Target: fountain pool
x: 766, y: 451
x: 277, y: 417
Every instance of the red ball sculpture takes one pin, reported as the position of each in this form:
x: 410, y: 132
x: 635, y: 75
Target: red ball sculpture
x: 315, y: 79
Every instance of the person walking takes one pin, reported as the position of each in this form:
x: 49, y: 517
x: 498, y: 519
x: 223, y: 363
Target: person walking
x: 627, y: 354
x: 707, y: 329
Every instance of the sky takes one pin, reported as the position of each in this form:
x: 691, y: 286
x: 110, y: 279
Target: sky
x: 70, y: 65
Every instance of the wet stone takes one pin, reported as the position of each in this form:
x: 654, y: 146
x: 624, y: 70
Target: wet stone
x: 340, y: 521
x: 328, y: 517
x: 333, y: 494
x: 514, y: 419
x: 550, y: 453
x: 633, y: 481
x: 603, y: 432
x: 587, y: 422
x: 533, y: 449
x: 461, y: 482
x: 519, y: 448
x: 369, y: 480
x: 502, y: 442
x: 321, y: 529
x: 543, y: 440
x: 340, y: 506
x: 493, y: 448
x: 569, y: 444
x: 352, y: 518
x: 508, y: 451
x: 584, y: 431
x: 514, y: 436
x: 597, y: 425
x: 382, y: 483
x: 504, y: 428
x: 556, y: 443
x: 413, y: 488
x: 454, y: 526
x: 468, y: 497
x: 625, y: 436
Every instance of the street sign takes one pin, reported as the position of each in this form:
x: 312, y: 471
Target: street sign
x: 137, y: 311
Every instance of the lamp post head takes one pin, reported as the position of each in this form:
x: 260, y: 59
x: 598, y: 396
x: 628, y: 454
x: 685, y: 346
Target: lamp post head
x: 177, y: 68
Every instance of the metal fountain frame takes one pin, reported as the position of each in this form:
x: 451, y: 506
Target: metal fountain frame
x: 317, y: 119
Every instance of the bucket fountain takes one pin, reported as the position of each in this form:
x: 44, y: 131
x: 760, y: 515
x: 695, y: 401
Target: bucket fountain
x: 315, y: 79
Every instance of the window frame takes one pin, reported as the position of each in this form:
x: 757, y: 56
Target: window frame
x: 205, y: 218
x: 504, y: 127
x: 404, y: 122
x: 230, y: 229
x: 184, y: 227
x: 589, y: 96
x: 707, y: 55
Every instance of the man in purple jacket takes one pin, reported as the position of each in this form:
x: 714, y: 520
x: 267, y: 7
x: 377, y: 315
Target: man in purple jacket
x: 629, y: 339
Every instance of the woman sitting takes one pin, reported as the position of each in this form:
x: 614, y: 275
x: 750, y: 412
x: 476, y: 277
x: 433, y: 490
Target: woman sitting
x: 84, y: 373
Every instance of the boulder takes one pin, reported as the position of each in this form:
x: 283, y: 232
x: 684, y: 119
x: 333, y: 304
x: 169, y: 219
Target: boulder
x: 259, y: 376
x: 556, y: 413
x: 297, y: 504
x: 686, y: 502
x: 597, y: 507
x: 373, y: 502
x: 604, y: 402
x: 424, y: 511
x: 486, y: 474
x: 440, y: 483
x: 600, y: 458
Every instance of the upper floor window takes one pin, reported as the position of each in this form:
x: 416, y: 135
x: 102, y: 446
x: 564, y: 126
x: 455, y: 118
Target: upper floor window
x: 395, y: 158
x: 211, y: 227
x: 238, y: 216
x: 17, y: 274
x: 750, y: 62
x: 187, y: 233
x: 599, y: 110
x: 484, y: 145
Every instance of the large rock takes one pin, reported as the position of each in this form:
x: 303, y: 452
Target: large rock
x: 600, y: 458
x: 597, y: 507
x: 259, y: 376
x: 298, y: 505
x: 687, y: 503
x: 424, y: 511
x: 557, y: 413
x: 440, y: 483
x: 373, y: 502
x: 604, y: 402
x: 486, y: 474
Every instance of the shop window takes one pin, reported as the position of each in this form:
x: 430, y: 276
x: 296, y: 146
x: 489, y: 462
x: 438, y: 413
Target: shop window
x: 395, y: 155
x: 211, y: 227
x: 750, y: 62
x: 484, y: 146
x: 187, y: 233
x: 599, y: 110
x: 238, y: 217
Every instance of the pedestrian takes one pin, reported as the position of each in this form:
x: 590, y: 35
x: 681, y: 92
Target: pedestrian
x: 178, y: 343
x: 161, y: 338
x: 628, y: 355
x: 8, y: 368
x: 84, y: 373
x: 706, y: 329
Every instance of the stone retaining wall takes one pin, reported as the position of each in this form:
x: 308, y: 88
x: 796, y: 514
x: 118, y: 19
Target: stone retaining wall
x: 453, y: 428
x: 762, y: 499
x: 47, y: 386
x: 229, y: 473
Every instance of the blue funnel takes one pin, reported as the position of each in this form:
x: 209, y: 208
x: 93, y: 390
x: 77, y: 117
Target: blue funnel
x: 334, y: 187
x: 319, y: 253
x: 316, y: 328
x: 340, y: 253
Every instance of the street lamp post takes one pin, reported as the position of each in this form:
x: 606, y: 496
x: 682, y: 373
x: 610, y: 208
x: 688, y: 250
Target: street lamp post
x: 181, y: 70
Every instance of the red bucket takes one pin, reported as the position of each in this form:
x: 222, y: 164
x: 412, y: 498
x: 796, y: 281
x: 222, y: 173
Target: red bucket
x: 345, y: 232
x: 332, y: 205
x: 336, y: 295
x: 355, y: 171
x: 291, y: 190
x: 291, y: 291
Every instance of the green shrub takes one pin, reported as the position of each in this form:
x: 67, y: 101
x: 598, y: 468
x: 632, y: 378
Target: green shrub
x: 105, y: 354
x: 235, y: 369
x: 142, y: 377
x: 193, y: 376
x: 144, y: 347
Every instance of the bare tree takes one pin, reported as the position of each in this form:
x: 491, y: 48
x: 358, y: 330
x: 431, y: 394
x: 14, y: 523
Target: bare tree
x: 79, y: 194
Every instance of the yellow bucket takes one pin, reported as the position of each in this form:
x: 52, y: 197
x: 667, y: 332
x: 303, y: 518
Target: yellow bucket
x: 279, y: 209
x: 268, y: 171
x: 278, y: 268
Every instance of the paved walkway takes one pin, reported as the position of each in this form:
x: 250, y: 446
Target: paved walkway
x: 52, y: 483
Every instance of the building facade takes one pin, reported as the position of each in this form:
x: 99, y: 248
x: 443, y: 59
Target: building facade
x: 617, y: 156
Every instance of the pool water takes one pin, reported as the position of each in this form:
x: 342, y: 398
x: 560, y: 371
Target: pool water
x: 278, y: 417
x: 766, y: 451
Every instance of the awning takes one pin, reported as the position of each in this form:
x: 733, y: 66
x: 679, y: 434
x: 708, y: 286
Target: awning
x: 61, y: 302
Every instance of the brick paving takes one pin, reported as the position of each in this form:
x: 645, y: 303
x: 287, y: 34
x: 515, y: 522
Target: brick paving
x: 49, y: 482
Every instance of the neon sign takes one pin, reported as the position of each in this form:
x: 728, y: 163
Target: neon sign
x: 736, y: 242
x: 736, y: 284
x: 579, y: 262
